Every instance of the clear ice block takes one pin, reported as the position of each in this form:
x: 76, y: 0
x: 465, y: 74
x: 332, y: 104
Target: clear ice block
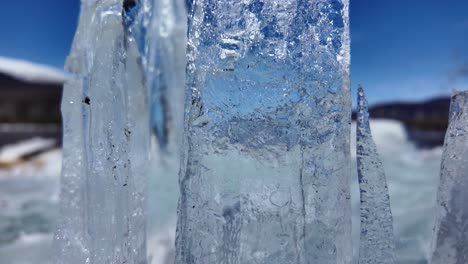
x: 266, y: 162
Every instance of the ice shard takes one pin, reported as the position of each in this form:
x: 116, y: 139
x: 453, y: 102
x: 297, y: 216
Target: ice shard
x: 377, y: 239
x: 106, y: 143
x: 160, y: 30
x: 450, y: 238
x: 264, y: 177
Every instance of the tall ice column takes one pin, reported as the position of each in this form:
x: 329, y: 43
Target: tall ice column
x: 450, y: 238
x: 266, y: 161
x: 377, y: 244
x: 160, y: 30
x: 106, y: 143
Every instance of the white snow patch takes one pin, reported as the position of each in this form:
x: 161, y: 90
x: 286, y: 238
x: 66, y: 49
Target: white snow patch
x: 13, y: 152
x: 31, y: 72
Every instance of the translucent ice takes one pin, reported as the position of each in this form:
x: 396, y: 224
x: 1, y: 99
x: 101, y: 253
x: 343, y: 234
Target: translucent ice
x: 377, y: 239
x: 264, y: 177
x: 160, y: 29
x: 450, y: 241
x: 106, y: 143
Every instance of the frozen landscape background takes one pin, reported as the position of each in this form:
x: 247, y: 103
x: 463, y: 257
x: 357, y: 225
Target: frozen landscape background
x: 29, y: 192
x: 419, y: 53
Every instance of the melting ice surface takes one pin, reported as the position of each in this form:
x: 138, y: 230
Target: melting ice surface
x: 266, y: 158
x: 377, y: 239
x: 450, y: 243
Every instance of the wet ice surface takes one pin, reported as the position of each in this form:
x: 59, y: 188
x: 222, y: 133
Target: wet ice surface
x: 265, y: 177
x: 450, y: 244
x: 377, y: 243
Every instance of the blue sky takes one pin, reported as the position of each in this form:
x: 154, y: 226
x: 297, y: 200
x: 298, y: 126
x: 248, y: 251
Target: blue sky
x: 401, y: 49
x: 407, y: 49
x: 37, y: 30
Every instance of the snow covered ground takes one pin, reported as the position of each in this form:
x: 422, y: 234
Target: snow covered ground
x: 29, y: 195
x: 28, y: 202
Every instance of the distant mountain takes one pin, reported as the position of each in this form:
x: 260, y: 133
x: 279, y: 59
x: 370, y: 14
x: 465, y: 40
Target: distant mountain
x: 425, y: 122
x: 30, y: 96
x: 29, y: 102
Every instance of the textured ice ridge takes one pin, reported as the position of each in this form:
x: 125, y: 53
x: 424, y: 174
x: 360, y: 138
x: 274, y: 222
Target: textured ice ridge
x: 450, y: 239
x: 377, y: 244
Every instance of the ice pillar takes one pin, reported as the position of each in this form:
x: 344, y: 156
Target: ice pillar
x: 377, y: 239
x: 450, y: 240
x: 160, y: 30
x: 266, y: 161
x: 106, y: 143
